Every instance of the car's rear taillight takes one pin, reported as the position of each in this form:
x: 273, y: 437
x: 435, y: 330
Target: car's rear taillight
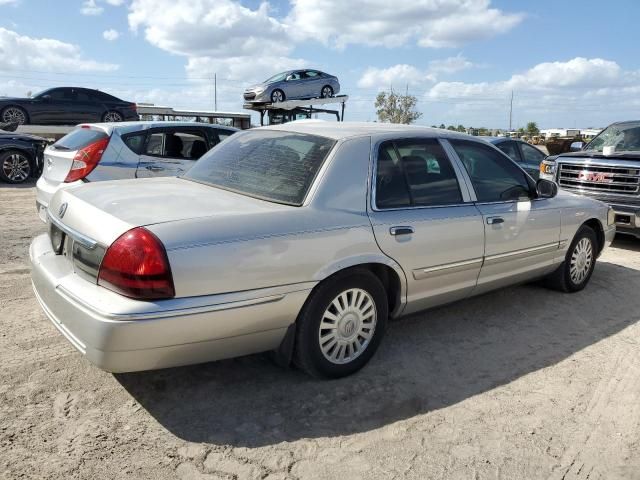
x: 136, y: 265
x: 86, y: 159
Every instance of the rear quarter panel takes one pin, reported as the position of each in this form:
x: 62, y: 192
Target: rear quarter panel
x: 287, y: 246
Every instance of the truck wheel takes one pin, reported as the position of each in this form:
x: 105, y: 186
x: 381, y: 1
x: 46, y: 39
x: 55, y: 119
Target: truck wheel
x: 577, y: 268
x: 341, y: 325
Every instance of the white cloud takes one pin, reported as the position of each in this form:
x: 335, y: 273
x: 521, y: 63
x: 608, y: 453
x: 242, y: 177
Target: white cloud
x: 44, y: 54
x: 115, y: 3
x: 595, y: 91
x: 111, y: 35
x: 91, y: 8
x: 8, y: 2
x: 403, y: 74
x: 429, y: 23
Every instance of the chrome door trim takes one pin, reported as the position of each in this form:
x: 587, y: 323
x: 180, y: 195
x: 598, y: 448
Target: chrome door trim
x: 523, y: 253
x: 460, y: 168
x: 77, y: 236
x: 429, y: 272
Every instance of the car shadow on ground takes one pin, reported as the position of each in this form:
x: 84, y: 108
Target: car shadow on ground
x: 626, y: 242
x: 27, y: 184
x: 426, y: 362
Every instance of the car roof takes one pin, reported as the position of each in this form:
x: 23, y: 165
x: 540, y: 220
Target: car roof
x: 127, y: 127
x: 341, y: 130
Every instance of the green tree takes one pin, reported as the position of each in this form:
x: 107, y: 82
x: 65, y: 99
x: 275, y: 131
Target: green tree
x: 532, y: 129
x: 461, y: 128
x: 451, y: 127
x: 395, y: 108
x: 442, y: 126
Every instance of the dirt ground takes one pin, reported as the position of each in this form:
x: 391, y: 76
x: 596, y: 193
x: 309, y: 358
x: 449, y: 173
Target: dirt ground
x: 523, y: 383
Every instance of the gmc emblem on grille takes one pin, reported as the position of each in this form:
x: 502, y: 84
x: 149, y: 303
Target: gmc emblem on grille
x: 596, y: 177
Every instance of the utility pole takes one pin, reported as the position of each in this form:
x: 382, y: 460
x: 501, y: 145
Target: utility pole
x: 215, y: 92
x: 511, y: 110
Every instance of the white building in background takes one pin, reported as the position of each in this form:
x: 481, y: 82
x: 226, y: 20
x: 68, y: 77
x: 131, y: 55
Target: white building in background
x: 587, y: 133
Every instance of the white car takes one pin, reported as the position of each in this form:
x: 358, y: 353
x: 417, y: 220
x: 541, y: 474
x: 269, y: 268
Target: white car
x: 113, y: 151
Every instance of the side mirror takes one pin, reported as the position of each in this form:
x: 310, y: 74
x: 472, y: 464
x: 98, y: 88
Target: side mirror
x: 576, y: 146
x: 46, y: 98
x: 546, y: 188
x: 288, y: 78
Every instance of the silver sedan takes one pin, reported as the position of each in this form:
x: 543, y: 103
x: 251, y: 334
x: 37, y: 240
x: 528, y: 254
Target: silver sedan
x: 304, y: 238
x: 293, y: 85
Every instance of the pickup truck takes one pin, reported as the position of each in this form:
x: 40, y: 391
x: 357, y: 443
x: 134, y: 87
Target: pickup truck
x: 607, y: 169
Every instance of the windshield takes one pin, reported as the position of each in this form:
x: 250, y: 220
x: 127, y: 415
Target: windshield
x: 270, y: 165
x: 623, y: 137
x: 276, y: 78
x: 43, y: 92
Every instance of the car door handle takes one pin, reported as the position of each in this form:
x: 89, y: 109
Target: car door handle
x: 401, y: 231
x: 154, y: 168
x: 494, y: 220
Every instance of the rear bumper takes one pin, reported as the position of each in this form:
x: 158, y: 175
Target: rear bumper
x: 119, y: 334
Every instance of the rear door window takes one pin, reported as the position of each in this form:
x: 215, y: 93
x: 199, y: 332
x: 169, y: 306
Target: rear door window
x: 415, y: 172
x: 510, y: 148
x: 79, y: 138
x: 177, y: 144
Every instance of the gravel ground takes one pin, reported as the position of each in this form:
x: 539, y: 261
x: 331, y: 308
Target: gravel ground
x: 522, y: 383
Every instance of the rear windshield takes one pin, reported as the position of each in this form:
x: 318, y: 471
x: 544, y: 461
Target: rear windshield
x: 78, y: 139
x: 274, y: 166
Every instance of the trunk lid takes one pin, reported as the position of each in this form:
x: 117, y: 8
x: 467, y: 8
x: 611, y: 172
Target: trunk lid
x: 105, y: 210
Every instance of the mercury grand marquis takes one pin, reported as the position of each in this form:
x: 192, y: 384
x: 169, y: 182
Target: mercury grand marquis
x: 303, y: 238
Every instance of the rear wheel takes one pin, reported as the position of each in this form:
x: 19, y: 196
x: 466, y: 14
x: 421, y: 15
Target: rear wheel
x: 579, y: 263
x: 326, y: 92
x: 112, y: 117
x: 14, y: 115
x: 341, y: 325
x: 15, y: 167
x: 277, y: 96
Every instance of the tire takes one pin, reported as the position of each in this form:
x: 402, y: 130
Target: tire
x: 112, y: 116
x: 326, y: 92
x: 277, y: 96
x: 12, y: 114
x: 15, y: 166
x: 576, y: 270
x: 333, y: 342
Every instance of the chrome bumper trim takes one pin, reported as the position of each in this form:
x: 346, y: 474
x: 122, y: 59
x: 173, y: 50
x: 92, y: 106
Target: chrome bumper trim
x: 77, y: 236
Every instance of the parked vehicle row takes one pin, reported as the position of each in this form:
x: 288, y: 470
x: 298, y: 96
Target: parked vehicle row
x: 607, y: 168
x: 112, y: 151
x: 66, y: 106
x: 303, y: 238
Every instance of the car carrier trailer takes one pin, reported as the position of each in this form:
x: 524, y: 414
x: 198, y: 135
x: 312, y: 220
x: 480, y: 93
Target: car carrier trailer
x: 289, y: 110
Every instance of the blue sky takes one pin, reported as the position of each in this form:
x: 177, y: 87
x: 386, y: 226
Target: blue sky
x: 569, y: 63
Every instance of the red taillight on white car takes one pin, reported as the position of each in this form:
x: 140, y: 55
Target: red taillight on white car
x: 86, y: 159
x: 136, y: 265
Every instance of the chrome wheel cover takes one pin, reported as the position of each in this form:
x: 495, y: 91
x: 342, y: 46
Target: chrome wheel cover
x: 16, y: 167
x: 277, y: 96
x: 14, y: 114
x: 581, y: 261
x: 326, y: 92
x: 347, y: 326
x: 113, y: 117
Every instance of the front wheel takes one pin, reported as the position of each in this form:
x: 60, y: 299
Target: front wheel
x: 576, y: 270
x: 15, y: 167
x: 341, y: 325
x: 14, y: 115
x: 277, y: 96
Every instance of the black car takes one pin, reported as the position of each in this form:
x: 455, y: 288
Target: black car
x: 20, y: 156
x: 527, y: 156
x: 66, y: 106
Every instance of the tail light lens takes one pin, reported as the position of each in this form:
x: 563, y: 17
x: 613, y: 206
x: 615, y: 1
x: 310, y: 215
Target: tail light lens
x: 136, y: 266
x: 86, y: 159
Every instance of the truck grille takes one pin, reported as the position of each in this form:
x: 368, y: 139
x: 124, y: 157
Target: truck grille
x: 600, y: 179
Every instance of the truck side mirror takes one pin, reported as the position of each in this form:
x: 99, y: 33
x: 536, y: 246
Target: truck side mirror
x: 576, y: 146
